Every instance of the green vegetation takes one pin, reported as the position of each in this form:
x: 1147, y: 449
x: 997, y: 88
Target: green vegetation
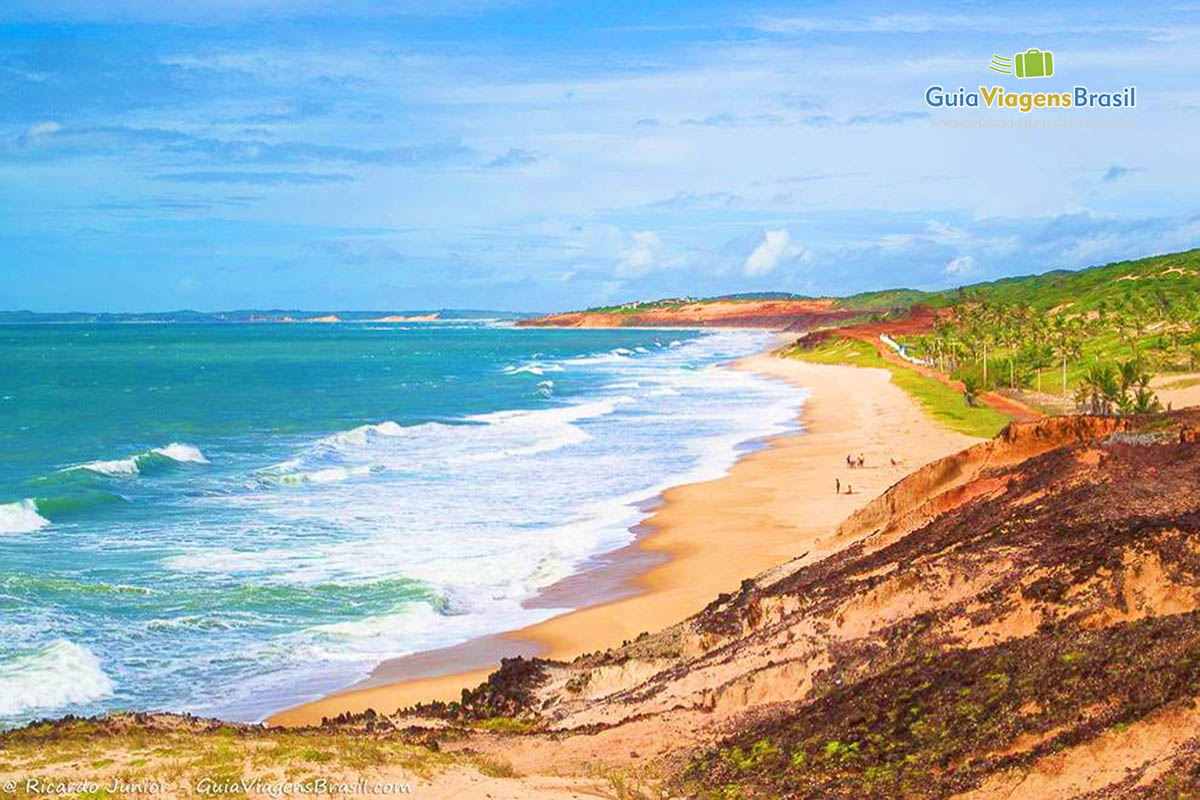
x: 937, y: 724
x: 1087, y: 340
x: 1096, y: 353
x: 639, y: 306
x: 505, y: 725
x: 180, y: 752
x: 885, y: 300
x: 1165, y: 281
x: 942, y: 402
x: 675, y: 303
x: 1124, y: 389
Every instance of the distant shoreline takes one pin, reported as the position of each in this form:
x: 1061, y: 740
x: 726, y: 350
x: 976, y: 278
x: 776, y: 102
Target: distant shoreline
x: 255, y: 316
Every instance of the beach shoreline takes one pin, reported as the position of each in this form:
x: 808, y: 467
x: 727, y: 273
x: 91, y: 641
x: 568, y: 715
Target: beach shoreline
x: 778, y: 498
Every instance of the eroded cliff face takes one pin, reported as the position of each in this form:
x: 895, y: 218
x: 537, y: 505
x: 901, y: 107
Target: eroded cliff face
x: 768, y: 314
x: 952, y: 481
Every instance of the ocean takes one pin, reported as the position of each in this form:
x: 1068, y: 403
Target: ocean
x: 231, y: 519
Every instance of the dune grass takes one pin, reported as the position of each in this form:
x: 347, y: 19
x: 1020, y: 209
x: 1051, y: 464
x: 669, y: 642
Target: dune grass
x: 71, y: 752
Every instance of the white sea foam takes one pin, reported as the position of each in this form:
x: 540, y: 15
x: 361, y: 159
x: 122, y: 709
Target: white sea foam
x: 327, y: 475
x: 183, y: 453
x: 176, y: 451
x: 21, y: 517
x: 55, y: 675
x: 117, y: 466
x: 363, y: 434
x: 486, y: 510
x: 533, y: 368
x: 335, y: 474
x: 541, y: 431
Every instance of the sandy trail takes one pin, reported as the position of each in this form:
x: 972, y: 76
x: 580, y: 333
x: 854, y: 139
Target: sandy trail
x: 773, y: 506
x: 1178, y: 391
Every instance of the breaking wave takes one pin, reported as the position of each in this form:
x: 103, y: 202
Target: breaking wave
x: 58, y: 674
x: 175, y: 452
x: 21, y: 517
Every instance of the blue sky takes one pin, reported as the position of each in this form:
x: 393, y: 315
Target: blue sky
x: 549, y: 155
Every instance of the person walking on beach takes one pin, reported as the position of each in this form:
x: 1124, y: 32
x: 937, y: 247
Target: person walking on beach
x: 837, y: 483
x: 861, y: 460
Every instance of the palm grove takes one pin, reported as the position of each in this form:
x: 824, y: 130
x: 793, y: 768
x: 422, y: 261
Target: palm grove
x: 1103, y: 358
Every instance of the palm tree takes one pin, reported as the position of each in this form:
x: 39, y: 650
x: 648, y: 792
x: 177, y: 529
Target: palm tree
x: 1039, y: 356
x: 1130, y: 373
x: 970, y: 389
x: 1145, y: 401
x: 1100, y: 389
x: 1066, y: 345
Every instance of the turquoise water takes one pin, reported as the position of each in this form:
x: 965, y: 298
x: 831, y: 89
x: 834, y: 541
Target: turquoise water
x: 229, y: 519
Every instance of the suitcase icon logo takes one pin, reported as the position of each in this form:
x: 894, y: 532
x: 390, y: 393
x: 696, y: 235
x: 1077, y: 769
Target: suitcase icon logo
x: 1033, y: 63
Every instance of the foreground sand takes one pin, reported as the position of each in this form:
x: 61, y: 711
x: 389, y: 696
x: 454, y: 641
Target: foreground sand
x: 774, y: 505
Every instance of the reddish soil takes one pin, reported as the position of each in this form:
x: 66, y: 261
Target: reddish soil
x: 770, y: 314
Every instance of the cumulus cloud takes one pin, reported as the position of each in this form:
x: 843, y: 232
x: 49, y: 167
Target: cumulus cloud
x: 645, y: 254
x: 775, y: 250
x: 960, y: 266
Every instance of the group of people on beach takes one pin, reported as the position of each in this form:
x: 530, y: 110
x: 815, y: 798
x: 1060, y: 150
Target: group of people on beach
x: 851, y: 463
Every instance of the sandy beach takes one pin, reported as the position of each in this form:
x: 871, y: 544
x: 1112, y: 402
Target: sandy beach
x: 774, y: 505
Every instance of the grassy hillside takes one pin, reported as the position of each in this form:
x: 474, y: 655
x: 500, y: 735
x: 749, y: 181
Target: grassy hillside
x: 1170, y: 280
x: 1166, y: 281
x: 886, y: 300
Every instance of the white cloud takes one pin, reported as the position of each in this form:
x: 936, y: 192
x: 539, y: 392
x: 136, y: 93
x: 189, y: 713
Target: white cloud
x: 961, y: 265
x: 41, y: 129
x: 645, y: 254
x: 776, y: 249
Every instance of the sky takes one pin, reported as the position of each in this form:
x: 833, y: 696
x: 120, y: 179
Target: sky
x: 558, y: 154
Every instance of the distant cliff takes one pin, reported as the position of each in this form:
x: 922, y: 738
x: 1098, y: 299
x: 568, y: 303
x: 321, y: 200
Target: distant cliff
x: 771, y: 314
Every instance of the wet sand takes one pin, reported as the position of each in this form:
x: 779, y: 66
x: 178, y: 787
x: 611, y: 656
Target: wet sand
x: 775, y: 504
